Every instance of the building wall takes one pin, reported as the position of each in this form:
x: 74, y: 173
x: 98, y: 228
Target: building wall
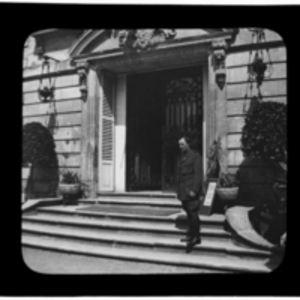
x: 62, y: 116
x: 272, y: 89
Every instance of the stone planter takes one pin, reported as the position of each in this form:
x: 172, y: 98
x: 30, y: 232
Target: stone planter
x: 227, y: 193
x: 69, y: 189
x: 70, y: 192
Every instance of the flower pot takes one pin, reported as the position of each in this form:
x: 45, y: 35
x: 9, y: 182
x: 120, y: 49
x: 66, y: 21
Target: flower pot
x: 227, y: 193
x: 69, y: 189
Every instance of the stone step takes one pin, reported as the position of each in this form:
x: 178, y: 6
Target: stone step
x: 179, y: 259
x: 130, y: 226
x: 215, y: 220
x: 143, y: 194
x: 155, y: 202
x: 151, y: 243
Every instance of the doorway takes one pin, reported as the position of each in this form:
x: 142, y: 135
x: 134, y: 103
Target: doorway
x: 162, y: 106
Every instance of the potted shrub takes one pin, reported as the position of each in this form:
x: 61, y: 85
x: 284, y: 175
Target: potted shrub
x: 70, y: 185
x: 213, y: 160
x: 227, y: 186
x: 264, y: 144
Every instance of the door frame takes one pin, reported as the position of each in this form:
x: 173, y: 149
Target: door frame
x: 205, y: 97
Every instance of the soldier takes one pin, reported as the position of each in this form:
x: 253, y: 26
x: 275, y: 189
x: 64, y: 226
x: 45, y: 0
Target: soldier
x: 190, y: 189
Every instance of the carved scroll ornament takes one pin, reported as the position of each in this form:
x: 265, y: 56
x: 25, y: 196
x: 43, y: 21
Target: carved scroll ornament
x: 218, y: 60
x: 141, y: 39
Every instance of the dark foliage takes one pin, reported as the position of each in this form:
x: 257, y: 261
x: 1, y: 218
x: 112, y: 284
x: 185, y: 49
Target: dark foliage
x: 228, y: 180
x: 264, y: 132
x: 213, y: 160
x: 38, y: 146
x: 69, y: 177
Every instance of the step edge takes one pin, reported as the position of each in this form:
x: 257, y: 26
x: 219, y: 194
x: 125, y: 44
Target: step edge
x: 128, y: 216
x: 119, y: 254
x: 131, y: 240
x: 121, y: 225
x: 137, y: 194
x: 128, y: 202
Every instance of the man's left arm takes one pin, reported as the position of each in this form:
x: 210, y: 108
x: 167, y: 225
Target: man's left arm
x: 197, y: 183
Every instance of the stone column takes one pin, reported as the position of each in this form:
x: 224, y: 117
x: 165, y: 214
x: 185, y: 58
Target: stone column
x: 217, y: 106
x: 211, y: 105
x: 120, y: 134
x: 205, y: 105
x: 90, y: 132
x: 221, y: 124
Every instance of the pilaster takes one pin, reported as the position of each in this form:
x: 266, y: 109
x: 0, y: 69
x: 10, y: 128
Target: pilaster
x: 211, y: 105
x: 90, y: 130
x: 120, y: 134
x: 217, y: 102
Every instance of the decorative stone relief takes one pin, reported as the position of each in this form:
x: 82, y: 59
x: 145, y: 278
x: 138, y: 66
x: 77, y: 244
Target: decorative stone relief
x: 82, y: 70
x: 218, y: 60
x: 141, y: 39
x: 30, y: 59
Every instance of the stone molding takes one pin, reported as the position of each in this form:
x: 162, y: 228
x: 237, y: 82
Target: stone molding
x: 219, y: 48
x: 82, y: 70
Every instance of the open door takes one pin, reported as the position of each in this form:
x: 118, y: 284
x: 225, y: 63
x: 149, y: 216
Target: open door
x: 106, y: 126
x: 183, y: 116
x: 144, y: 139
x: 162, y: 106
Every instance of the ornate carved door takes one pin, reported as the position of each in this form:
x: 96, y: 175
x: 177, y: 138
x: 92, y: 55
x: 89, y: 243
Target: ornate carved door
x: 183, y: 115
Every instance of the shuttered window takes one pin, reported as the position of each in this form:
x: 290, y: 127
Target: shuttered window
x: 107, y: 135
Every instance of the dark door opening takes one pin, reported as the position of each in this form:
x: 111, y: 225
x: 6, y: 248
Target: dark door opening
x: 144, y: 136
x: 161, y: 107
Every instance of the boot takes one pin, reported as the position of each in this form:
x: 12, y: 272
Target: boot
x: 187, y: 238
x: 194, y: 241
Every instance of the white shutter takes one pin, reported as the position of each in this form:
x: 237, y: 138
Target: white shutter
x: 106, y: 153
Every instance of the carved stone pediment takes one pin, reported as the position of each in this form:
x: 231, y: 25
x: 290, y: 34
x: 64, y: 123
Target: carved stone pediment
x: 141, y: 39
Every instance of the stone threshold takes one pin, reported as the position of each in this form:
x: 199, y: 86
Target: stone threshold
x: 148, y: 194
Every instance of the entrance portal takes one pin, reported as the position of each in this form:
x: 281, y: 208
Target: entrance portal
x: 162, y: 106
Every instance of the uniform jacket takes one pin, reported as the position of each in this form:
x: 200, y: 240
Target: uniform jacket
x: 189, y: 175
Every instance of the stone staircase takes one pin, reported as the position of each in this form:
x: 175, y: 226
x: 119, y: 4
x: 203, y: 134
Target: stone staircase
x: 145, y: 238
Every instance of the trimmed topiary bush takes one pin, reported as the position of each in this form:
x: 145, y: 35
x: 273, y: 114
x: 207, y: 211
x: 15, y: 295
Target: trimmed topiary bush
x: 38, y: 146
x: 264, y: 132
x: 39, y: 150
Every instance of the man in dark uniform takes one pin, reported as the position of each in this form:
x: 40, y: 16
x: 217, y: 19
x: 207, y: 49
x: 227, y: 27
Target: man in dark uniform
x: 190, y: 189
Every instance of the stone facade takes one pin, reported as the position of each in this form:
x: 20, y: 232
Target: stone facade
x: 88, y: 65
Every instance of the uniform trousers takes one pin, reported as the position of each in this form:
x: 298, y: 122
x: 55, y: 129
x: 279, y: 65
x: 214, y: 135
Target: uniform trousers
x: 191, y: 207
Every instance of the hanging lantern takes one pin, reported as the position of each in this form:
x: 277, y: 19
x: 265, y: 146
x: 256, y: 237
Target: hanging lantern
x: 46, y: 87
x: 259, y: 69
